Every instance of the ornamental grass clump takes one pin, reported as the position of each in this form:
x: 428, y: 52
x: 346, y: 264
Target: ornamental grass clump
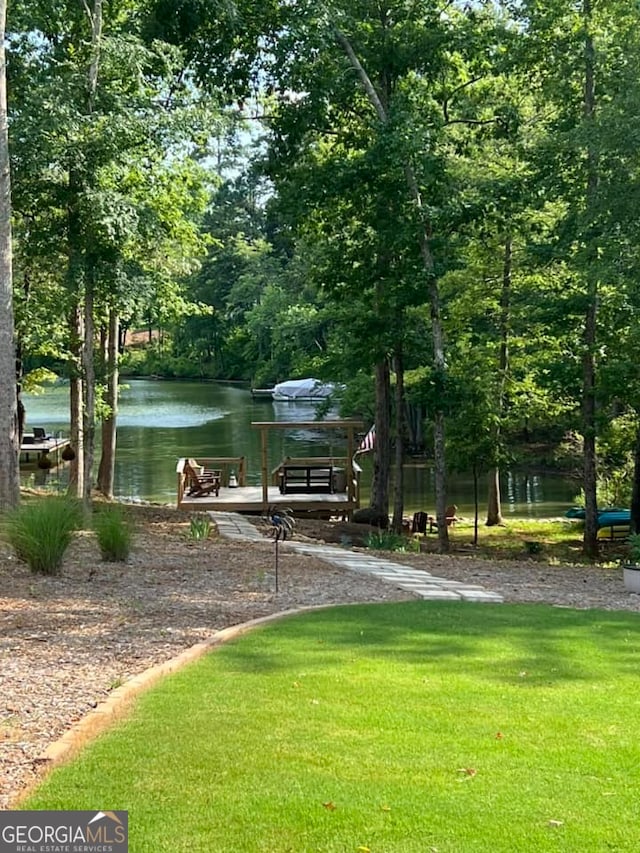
x: 200, y: 526
x: 40, y: 532
x: 114, y: 533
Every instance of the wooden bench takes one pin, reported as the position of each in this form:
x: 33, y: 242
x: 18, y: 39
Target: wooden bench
x: 303, y: 479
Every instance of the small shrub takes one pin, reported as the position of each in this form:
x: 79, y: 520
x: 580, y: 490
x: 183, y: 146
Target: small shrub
x: 200, y: 526
x: 40, y: 532
x: 634, y: 548
x: 114, y: 533
x: 386, y: 540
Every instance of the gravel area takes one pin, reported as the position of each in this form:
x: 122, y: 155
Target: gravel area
x: 533, y: 581
x: 67, y: 641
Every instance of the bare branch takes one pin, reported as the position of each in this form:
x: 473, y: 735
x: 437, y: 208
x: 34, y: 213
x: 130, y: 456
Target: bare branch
x: 88, y: 11
x: 96, y: 36
x: 368, y: 86
x: 472, y: 121
x: 452, y: 95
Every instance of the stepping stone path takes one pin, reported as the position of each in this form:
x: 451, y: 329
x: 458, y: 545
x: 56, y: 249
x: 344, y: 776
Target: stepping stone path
x: 231, y: 525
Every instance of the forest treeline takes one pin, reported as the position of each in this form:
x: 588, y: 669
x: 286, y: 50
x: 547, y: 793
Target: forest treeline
x: 433, y: 204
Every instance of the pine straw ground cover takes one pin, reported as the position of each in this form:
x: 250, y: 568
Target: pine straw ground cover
x: 66, y: 642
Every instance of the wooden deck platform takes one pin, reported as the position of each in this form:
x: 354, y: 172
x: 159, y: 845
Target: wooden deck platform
x: 249, y: 499
x: 333, y: 491
x: 50, y: 446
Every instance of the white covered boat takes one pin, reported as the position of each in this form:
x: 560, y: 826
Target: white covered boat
x: 304, y: 390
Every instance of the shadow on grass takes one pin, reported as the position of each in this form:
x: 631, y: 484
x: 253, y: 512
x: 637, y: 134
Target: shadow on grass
x: 531, y: 644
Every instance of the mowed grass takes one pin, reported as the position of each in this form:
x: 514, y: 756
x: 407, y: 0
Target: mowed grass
x: 558, y: 540
x: 419, y: 726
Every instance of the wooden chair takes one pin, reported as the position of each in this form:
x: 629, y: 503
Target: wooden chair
x: 419, y: 522
x: 450, y: 514
x: 200, y: 482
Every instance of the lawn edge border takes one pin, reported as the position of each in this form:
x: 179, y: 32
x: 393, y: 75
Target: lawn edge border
x: 120, y: 700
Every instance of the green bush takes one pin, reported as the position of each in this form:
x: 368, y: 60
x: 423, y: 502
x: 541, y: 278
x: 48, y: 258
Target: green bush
x: 386, y: 540
x: 114, y: 533
x: 40, y: 532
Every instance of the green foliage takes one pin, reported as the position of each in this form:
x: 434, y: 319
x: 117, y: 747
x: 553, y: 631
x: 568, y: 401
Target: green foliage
x: 153, y: 360
x: 109, y: 190
x: 41, y: 531
x: 113, y: 532
x: 387, y: 540
x: 613, y: 489
x: 634, y: 548
x: 199, y: 526
x: 36, y: 381
x: 313, y: 264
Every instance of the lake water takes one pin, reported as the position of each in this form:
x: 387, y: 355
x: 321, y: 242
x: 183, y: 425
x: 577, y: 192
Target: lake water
x: 160, y: 421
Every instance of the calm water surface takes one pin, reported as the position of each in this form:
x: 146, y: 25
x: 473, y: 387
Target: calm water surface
x: 160, y: 421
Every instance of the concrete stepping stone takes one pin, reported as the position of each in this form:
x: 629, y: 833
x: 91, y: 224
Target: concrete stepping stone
x: 418, y: 582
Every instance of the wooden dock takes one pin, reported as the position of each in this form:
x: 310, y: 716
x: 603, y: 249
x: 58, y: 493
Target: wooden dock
x: 249, y: 499
x: 337, y: 492
x: 50, y: 445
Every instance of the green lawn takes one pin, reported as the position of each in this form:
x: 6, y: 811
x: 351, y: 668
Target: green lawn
x: 408, y: 727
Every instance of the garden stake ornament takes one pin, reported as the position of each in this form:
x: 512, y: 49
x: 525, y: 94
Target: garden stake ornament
x: 281, y: 524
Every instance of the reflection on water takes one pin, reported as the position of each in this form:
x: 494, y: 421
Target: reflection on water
x: 137, y: 403
x: 159, y: 421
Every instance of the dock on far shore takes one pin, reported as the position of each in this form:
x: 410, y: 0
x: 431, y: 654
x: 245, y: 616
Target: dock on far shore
x: 41, y: 446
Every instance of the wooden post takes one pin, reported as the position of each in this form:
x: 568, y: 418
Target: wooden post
x: 350, y: 474
x: 265, y: 470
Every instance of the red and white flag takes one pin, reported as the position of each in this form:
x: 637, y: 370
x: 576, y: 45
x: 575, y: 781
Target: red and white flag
x: 368, y: 441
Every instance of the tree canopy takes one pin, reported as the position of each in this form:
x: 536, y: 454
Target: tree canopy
x: 432, y: 203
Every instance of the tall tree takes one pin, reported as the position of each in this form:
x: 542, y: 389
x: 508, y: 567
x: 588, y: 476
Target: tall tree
x: 579, y: 55
x: 105, y: 131
x: 9, y: 428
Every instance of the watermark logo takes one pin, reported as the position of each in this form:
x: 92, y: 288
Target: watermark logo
x: 64, y: 832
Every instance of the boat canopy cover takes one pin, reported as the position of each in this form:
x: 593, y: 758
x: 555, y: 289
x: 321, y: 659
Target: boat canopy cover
x: 296, y: 389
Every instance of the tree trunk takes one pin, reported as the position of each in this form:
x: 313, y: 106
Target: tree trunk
x: 9, y: 426
x: 19, y: 376
x: 398, y: 490
x: 439, y: 363
x: 494, y: 506
x: 88, y: 359
x: 590, y: 542
x: 424, y: 241
x: 96, y: 38
x: 414, y: 415
x: 635, y: 494
x: 476, y: 502
x: 76, y: 406
x: 89, y: 380
x: 381, y: 461
x: 107, y: 459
